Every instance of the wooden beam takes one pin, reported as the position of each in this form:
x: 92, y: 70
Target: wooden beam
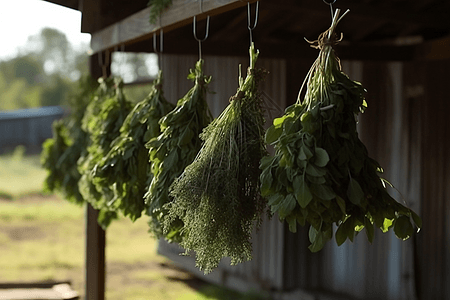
x: 90, y: 14
x: 137, y: 27
x: 438, y: 49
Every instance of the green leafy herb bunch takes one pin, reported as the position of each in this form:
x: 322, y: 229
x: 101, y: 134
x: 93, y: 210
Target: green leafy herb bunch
x: 125, y: 169
x: 61, y: 152
x: 102, y: 121
x: 217, y: 197
x: 321, y: 173
x: 175, y: 148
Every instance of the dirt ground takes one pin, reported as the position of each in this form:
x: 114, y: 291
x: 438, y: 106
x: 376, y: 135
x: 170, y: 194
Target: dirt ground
x: 124, y: 279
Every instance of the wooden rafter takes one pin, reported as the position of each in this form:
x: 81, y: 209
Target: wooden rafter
x: 136, y: 27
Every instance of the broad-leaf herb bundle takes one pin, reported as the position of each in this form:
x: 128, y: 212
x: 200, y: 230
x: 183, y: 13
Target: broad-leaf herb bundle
x: 175, y: 148
x: 321, y: 173
x: 125, y: 169
x: 61, y: 153
x: 217, y: 197
x: 102, y: 121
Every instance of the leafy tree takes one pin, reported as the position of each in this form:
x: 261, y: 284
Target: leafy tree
x: 44, y: 72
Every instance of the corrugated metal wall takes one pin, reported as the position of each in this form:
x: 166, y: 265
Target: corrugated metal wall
x: 28, y: 127
x: 431, y: 80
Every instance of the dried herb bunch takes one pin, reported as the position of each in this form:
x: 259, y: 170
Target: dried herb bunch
x: 60, y: 154
x: 321, y: 173
x: 125, y: 169
x: 175, y: 148
x: 217, y: 197
x: 102, y: 121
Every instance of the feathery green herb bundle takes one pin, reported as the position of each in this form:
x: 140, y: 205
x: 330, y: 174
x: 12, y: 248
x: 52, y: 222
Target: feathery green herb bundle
x: 61, y: 153
x: 125, y: 169
x: 175, y: 148
x: 102, y: 121
x: 321, y: 173
x: 217, y: 197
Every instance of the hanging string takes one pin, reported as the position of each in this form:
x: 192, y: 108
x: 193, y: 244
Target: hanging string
x: 161, y: 46
x: 331, y: 6
x: 194, y: 30
x: 251, y: 28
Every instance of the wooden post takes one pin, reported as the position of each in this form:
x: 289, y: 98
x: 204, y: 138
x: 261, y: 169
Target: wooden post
x: 95, y: 235
x: 95, y: 257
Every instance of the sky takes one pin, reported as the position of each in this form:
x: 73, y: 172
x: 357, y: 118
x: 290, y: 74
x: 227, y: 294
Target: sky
x: 20, y: 19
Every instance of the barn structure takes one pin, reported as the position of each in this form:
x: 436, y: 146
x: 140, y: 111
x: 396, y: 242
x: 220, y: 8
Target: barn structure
x: 28, y: 127
x: 398, y: 49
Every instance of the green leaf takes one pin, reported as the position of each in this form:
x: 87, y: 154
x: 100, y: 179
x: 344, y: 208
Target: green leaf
x: 341, y: 203
x: 341, y: 234
x: 274, y: 199
x: 387, y: 223
x: 308, y: 152
x: 369, y: 230
x: 403, y: 228
x: 266, y: 180
x: 302, y: 155
x: 355, y: 192
x: 272, y: 134
x: 171, y: 160
x: 287, y: 124
x: 302, y: 192
x: 321, y: 157
x: 315, y: 171
x: 186, y: 137
x: 287, y: 206
x: 278, y: 122
x: 322, y: 191
x: 292, y: 221
x: 317, y: 240
x: 359, y: 227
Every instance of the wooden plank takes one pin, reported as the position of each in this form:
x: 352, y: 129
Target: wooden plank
x: 137, y: 27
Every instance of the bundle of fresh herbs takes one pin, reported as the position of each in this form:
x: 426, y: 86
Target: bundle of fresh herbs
x: 61, y: 153
x: 156, y: 8
x: 102, y: 121
x: 175, y: 148
x: 321, y: 173
x: 217, y: 196
x: 125, y: 169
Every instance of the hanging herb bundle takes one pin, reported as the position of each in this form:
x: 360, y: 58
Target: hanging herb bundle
x: 217, y: 197
x: 156, y: 8
x: 175, y: 148
x: 102, y: 121
x: 52, y: 150
x: 125, y: 169
x: 321, y: 173
x: 61, y: 153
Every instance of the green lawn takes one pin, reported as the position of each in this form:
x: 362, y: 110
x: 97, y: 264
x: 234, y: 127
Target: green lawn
x: 42, y: 238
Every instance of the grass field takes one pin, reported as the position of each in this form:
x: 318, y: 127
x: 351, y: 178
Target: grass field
x: 42, y: 238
